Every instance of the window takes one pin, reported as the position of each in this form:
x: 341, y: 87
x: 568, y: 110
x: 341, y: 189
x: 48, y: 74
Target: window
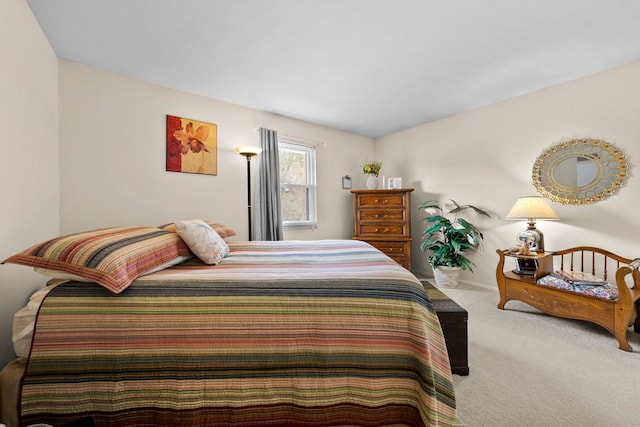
x: 297, y: 184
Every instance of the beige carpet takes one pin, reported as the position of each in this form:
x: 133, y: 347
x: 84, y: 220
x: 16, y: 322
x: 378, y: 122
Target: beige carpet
x: 531, y: 369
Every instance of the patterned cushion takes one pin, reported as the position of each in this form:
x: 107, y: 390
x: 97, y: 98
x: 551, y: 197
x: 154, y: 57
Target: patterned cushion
x: 203, y: 241
x: 112, y: 257
x: 222, y: 230
x: 606, y: 291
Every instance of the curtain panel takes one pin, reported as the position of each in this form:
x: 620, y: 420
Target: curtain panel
x: 268, y: 217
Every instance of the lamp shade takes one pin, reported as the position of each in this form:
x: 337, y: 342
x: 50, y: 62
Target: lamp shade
x: 532, y: 207
x: 248, y: 151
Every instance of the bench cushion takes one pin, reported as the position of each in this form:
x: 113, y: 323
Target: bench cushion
x: 606, y: 291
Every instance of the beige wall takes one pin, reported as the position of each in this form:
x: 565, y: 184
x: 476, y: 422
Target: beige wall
x: 112, y: 157
x: 29, y: 146
x: 105, y: 145
x: 485, y: 157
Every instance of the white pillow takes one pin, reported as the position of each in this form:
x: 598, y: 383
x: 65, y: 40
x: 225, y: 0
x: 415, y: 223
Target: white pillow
x: 202, y: 240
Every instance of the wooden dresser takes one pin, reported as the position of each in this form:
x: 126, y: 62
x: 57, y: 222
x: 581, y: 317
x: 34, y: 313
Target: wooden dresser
x: 383, y: 219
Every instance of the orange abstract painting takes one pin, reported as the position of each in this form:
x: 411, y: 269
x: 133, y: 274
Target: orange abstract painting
x: 192, y: 146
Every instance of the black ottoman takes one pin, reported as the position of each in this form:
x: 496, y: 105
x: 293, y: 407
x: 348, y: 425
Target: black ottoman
x: 453, y: 320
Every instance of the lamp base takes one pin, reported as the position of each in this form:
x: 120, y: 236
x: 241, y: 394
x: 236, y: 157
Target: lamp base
x: 533, y: 238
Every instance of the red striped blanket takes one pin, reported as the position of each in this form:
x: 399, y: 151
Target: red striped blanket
x: 304, y: 333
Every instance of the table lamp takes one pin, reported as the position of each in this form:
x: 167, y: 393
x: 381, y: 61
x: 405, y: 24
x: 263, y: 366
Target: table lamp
x: 532, y: 208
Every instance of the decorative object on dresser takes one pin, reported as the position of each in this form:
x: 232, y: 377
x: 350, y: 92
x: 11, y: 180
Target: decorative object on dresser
x: 609, y: 302
x: 372, y: 170
x: 532, y: 208
x: 395, y: 183
x: 382, y: 218
x: 448, y: 239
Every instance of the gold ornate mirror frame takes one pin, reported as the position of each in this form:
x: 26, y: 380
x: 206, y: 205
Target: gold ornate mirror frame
x: 579, y: 171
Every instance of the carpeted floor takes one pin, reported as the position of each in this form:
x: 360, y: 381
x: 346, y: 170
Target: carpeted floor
x: 531, y: 369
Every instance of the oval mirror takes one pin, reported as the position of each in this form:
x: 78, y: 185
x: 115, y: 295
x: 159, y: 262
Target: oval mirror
x: 579, y: 171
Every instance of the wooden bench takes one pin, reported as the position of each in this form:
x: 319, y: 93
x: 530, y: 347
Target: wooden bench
x: 453, y: 320
x: 613, y: 315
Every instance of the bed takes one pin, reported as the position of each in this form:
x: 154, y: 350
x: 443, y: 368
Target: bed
x: 300, y: 333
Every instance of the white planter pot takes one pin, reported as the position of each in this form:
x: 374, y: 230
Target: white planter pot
x: 447, y: 277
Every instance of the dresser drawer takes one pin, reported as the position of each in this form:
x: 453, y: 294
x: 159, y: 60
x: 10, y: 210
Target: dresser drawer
x: 383, y: 229
x: 399, y: 215
x: 402, y: 260
x: 391, y: 248
x: 380, y: 200
x: 398, y: 250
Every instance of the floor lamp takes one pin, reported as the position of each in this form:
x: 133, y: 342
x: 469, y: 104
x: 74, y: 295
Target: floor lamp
x: 249, y: 153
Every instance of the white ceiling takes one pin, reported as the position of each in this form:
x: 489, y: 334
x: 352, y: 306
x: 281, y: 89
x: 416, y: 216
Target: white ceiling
x: 371, y: 67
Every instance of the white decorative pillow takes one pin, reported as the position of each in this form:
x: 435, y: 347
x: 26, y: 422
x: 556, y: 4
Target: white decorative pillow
x: 221, y: 229
x: 203, y: 240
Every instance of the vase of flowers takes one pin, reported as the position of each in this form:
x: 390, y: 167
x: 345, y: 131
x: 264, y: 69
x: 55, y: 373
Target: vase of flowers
x: 372, y: 170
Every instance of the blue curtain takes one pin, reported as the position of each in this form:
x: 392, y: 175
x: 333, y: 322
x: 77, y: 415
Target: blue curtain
x: 268, y: 218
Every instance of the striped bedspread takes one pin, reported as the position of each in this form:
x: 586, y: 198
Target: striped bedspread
x: 293, y: 333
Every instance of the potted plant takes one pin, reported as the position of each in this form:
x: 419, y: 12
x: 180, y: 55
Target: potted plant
x: 447, y: 238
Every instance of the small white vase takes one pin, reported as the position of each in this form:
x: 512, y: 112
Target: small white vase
x: 447, y: 277
x: 372, y: 182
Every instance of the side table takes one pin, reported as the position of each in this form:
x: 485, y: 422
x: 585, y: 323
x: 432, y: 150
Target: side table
x: 537, y: 265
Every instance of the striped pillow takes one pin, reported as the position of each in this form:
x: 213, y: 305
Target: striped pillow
x: 112, y: 257
x: 222, y: 230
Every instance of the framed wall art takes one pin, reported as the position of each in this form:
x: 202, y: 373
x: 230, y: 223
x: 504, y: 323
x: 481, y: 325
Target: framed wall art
x: 346, y: 182
x: 192, y: 146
